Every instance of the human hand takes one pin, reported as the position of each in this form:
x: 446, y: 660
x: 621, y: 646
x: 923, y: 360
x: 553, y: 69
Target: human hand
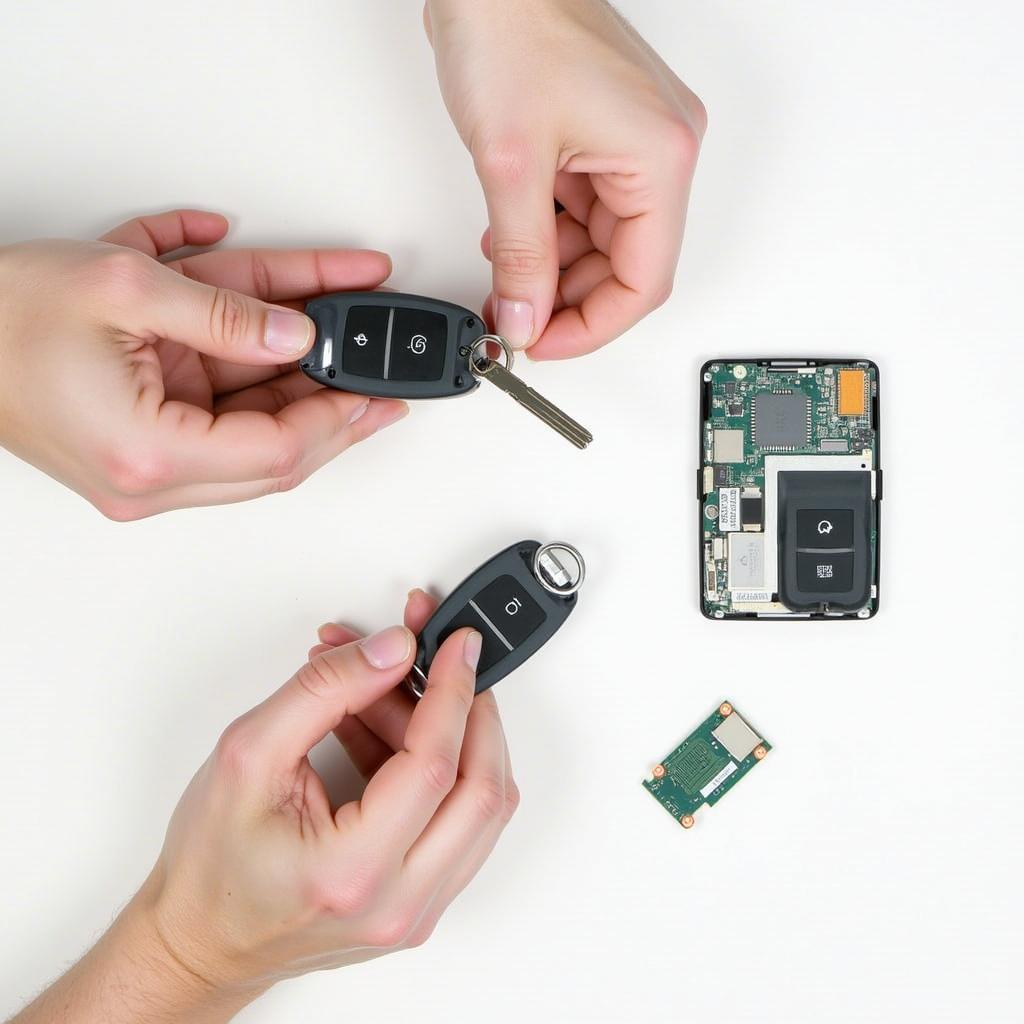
x: 147, y: 385
x: 260, y: 878
x: 562, y: 100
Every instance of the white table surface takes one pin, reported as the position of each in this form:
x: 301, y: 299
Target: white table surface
x: 859, y: 192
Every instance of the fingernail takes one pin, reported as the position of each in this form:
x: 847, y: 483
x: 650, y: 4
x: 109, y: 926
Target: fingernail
x: 471, y: 648
x: 388, y: 648
x: 359, y: 410
x: 287, y: 332
x: 514, y: 321
x: 394, y: 416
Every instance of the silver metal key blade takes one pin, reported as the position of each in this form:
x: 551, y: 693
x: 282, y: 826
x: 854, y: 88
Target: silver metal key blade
x: 575, y: 433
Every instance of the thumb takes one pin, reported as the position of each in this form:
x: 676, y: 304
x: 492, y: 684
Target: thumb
x: 226, y: 324
x: 519, y: 190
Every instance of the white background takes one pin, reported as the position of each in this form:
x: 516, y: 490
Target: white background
x: 858, y: 193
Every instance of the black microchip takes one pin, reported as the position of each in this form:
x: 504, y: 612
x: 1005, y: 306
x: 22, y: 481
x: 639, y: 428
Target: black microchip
x: 751, y: 511
x: 721, y: 475
x: 781, y: 419
x: 730, y: 387
x: 736, y: 410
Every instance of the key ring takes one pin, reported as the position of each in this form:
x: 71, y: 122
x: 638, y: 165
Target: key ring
x: 543, y: 577
x: 475, y: 368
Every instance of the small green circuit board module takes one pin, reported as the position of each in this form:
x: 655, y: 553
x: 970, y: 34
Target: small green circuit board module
x: 707, y: 764
x: 789, y: 487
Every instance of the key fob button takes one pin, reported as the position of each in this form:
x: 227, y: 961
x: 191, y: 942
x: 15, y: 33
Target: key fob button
x: 824, y: 528
x: 514, y: 613
x: 824, y: 571
x: 418, y: 342
x: 492, y: 650
x: 364, y: 343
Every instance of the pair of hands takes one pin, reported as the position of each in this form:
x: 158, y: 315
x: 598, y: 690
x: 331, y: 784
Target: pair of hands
x: 148, y: 382
x: 261, y: 878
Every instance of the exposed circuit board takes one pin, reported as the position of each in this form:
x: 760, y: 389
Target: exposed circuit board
x: 707, y: 764
x: 789, y: 486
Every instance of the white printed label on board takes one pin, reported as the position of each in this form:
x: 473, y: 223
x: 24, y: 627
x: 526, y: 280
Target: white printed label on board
x: 728, y: 509
x: 707, y: 790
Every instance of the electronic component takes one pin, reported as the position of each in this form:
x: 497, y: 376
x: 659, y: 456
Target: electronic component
x: 751, y: 508
x: 707, y: 764
x: 834, y: 445
x: 746, y: 562
x: 735, y: 409
x: 801, y: 459
x: 728, y: 445
x: 781, y: 419
x: 851, y: 389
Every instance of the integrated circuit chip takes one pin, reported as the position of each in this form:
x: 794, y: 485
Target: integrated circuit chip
x: 746, y: 561
x: 728, y: 446
x: 782, y: 419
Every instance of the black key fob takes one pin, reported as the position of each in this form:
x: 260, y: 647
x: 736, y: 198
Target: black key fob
x: 391, y: 345
x: 517, y: 601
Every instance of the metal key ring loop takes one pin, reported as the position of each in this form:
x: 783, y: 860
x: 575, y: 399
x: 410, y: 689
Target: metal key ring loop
x: 475, y: 368
x: 559, y: 545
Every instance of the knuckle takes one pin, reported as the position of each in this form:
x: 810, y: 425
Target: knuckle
x: 118, y: 510
x: 135, y: 471
x: 682, y: 144
x: 440, y: 772
x: 233, y: 753
x: 420, y: 934
x: 229, y: 318
x: 320, y: 677
x: 392, y: 931
x: 121, y: 273
x: 512, y: 800
x: 504, y: 161
x: 288, y: 457
x: 661, y: 293
x: 516, y: 259
x: 490, y: 796
x: 356, y: 895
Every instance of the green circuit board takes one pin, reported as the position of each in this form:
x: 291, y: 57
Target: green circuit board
x: 752, y: 412
x: 707, y: 764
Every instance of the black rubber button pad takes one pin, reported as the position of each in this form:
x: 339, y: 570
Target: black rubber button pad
x: 824, y: 571
x: 365, y: 340
x: 418, y: 342
x: 504, y: 614
x: 824, y: 528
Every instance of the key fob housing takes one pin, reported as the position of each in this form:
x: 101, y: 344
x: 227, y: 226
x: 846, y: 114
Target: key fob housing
x: 511, y: 608
x: 391, y: 345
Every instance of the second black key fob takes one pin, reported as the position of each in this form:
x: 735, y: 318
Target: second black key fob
x: 391, y: 345
x: 517, y: 601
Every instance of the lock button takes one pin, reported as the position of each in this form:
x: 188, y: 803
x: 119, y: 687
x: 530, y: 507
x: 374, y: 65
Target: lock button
x: 364, y: 343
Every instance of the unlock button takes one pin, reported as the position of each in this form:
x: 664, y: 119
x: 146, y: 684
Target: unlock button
x: 418, y: 341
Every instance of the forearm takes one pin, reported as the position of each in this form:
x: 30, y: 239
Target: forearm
x: 131, y: 977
